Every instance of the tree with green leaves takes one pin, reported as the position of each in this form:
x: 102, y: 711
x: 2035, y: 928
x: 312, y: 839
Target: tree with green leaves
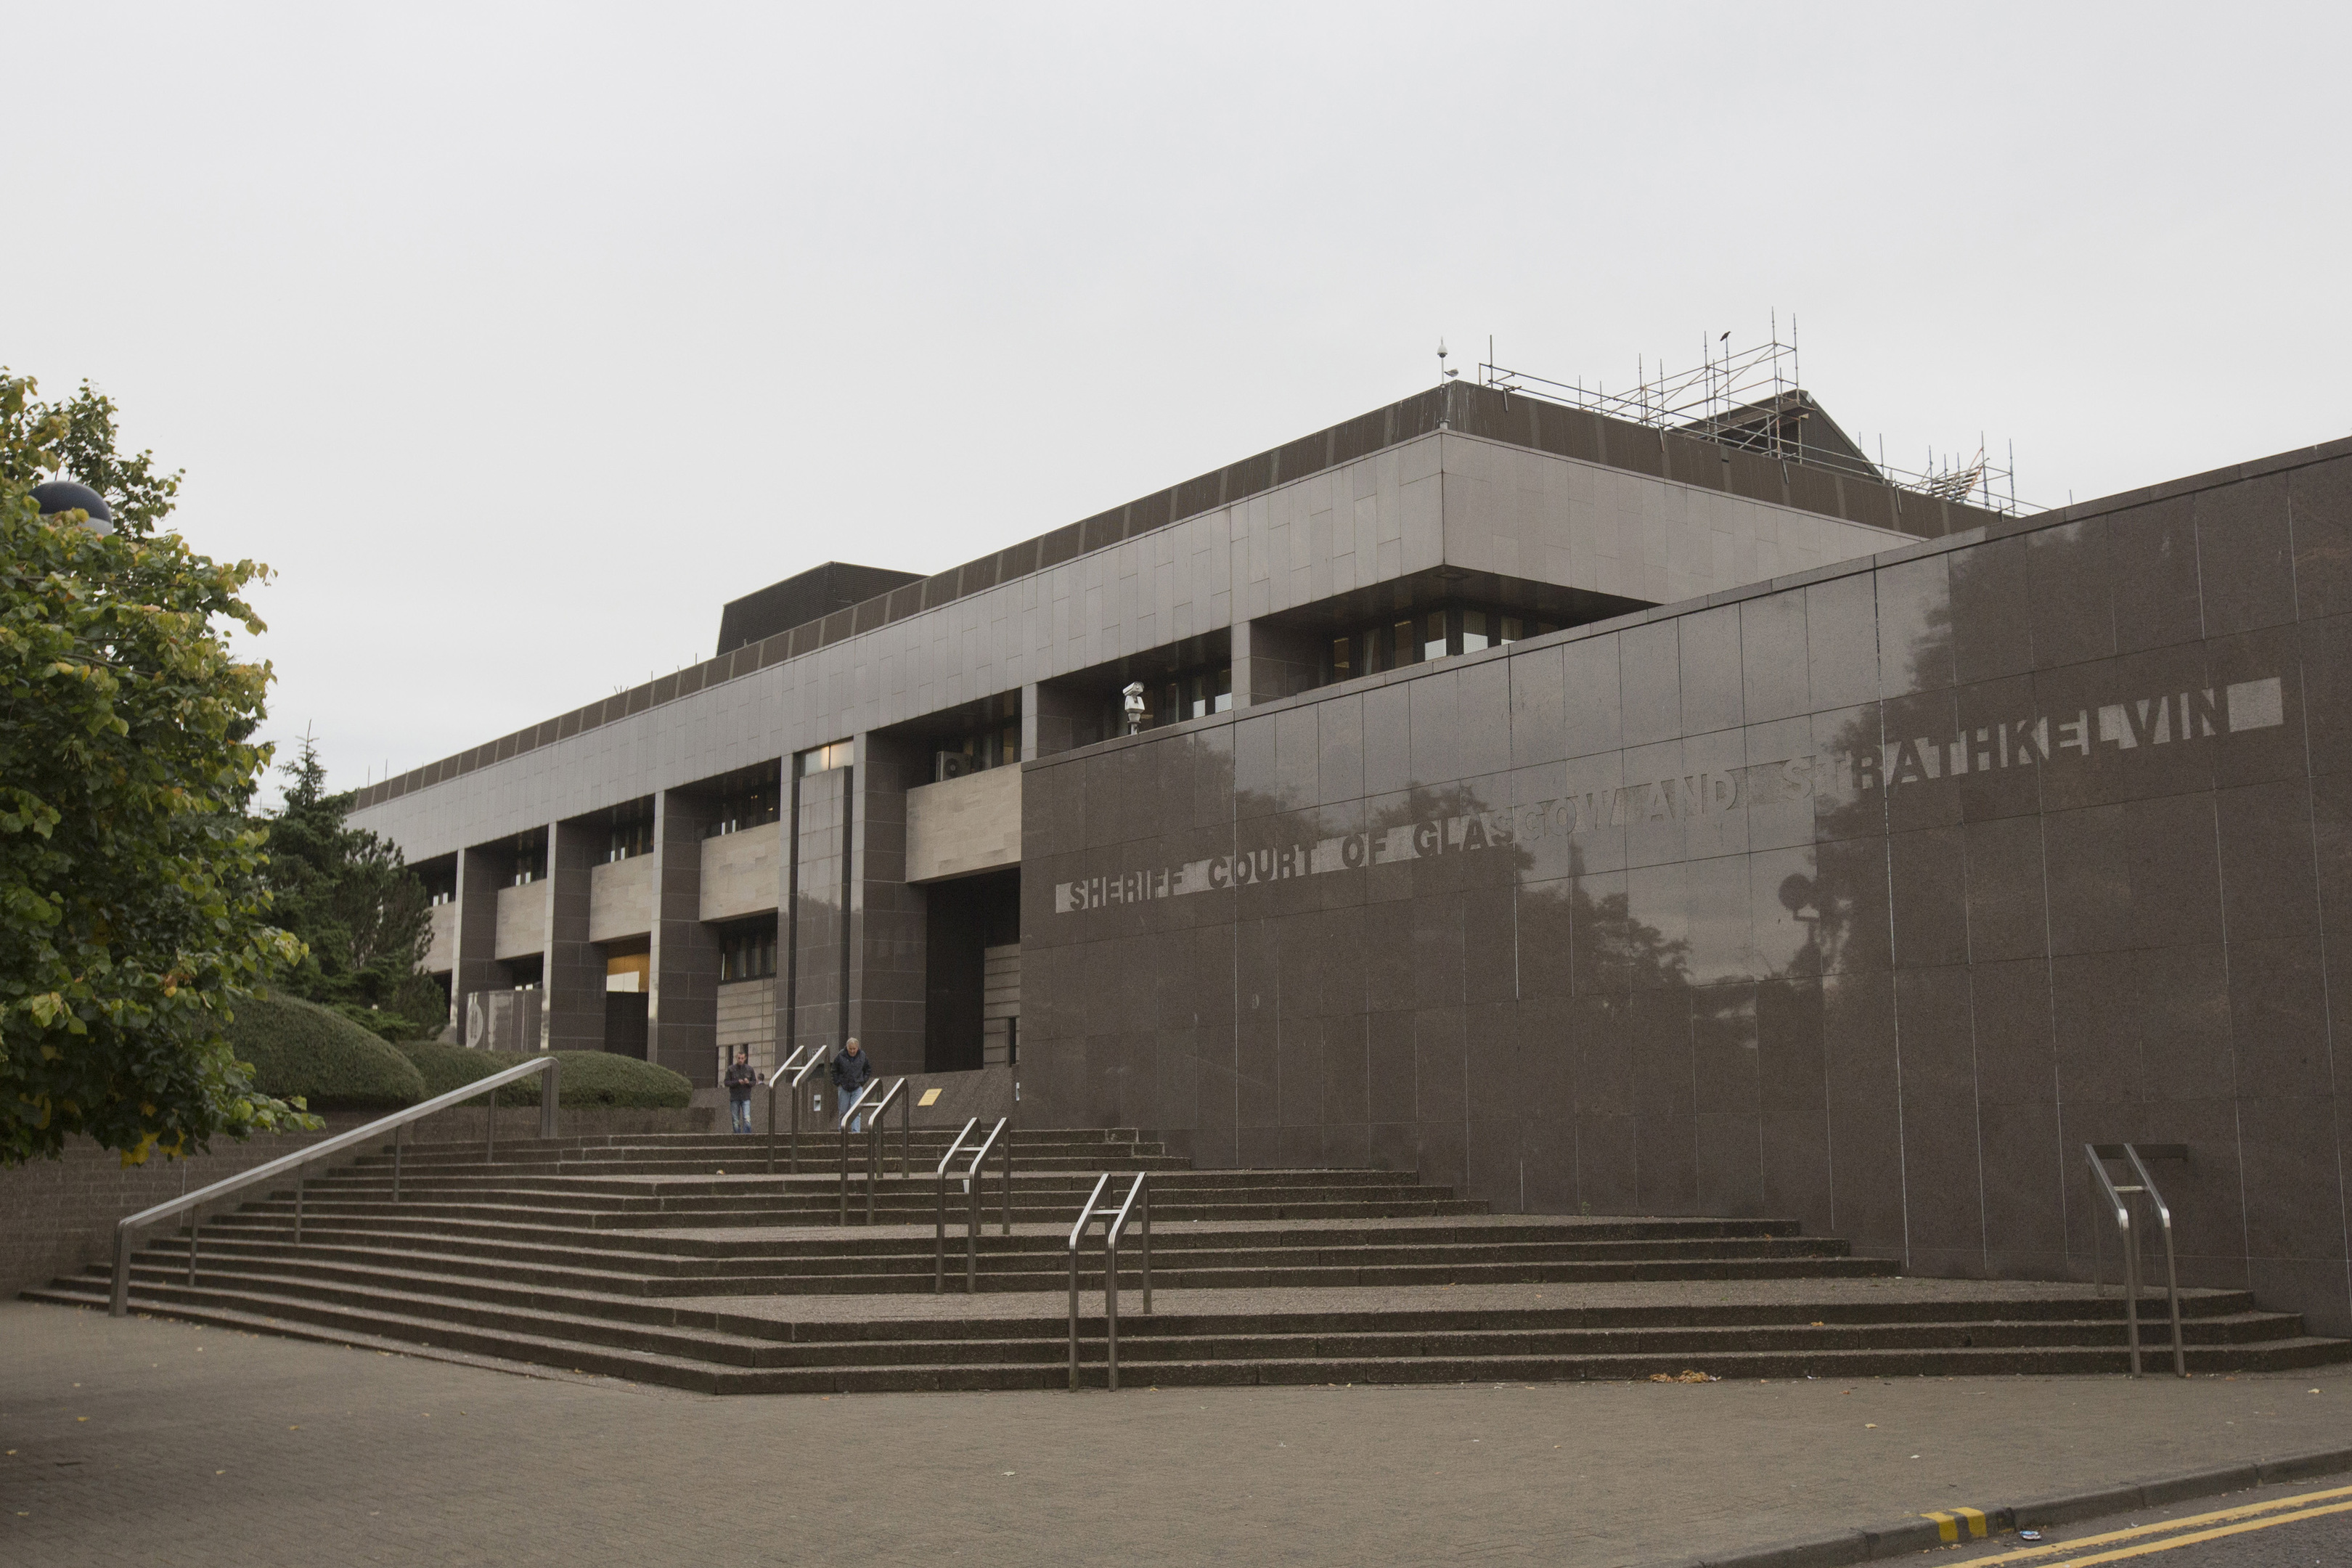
x: 133, y: 916
x: 354, y: 903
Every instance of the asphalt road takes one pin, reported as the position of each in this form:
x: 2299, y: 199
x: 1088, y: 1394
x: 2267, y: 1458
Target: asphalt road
x: 2265, y: 1527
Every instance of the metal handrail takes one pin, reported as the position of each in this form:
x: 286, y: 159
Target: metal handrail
x: 873, y: 1115
x: 2172, y: 1266
x: 130, y: 1225
x: 1114, y: 1226
x: 800, y: 1069
x: 972, y: 1186
x: 2118, y: 1202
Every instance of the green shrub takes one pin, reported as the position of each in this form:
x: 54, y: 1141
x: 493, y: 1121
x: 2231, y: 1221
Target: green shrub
x: 384, y: 1026
x: 589, y: 1078
x: 301, y: 1049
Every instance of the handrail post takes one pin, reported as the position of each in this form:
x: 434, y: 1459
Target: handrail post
x: 119, y: 1302
x: 972, y: 1184
x: 1078, y: 1239
x: 2171, y: 1265
x: 1008, y: 1175
x: 2131, y: 1286
x: 1074, y: 1307
x: 490, y: 1118
x: 300, y: 1181
x: 399, y: 1136
x: 1143, y: 1181
x: 551, y: 1095
x: 878, y: 1142
x: 195, y: 1225
x: 1110, y: 1303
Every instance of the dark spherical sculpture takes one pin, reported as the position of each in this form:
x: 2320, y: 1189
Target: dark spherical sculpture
x: 65, y: 495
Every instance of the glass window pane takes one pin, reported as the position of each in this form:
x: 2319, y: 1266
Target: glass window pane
x: 1408, y: 645
x: 1433, y: 642
x: 1474, y: 630
x: 1226, y: 688
x: 1342, y: 657
x: 1510, y: 629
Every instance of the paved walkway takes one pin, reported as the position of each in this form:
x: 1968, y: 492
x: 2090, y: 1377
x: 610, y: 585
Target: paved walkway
x: 140, y: 1441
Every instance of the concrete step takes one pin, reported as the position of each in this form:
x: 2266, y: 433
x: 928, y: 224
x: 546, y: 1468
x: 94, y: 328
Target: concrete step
x: 628, y: 1255
x: 719, y: 1365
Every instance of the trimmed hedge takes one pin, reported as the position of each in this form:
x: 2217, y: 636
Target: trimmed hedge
x: 589, y: 1078
x: 299, y: 1048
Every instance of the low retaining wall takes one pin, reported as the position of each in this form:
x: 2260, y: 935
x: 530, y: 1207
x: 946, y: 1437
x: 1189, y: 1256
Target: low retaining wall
x: 62, y: 1211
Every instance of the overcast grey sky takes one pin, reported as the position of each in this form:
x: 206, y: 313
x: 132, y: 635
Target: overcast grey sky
x: 516, y: 339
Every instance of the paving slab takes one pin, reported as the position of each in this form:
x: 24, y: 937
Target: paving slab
x: 142, y: 1441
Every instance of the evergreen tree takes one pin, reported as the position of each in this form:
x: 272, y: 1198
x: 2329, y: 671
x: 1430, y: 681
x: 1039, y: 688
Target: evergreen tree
x: 351, y: 899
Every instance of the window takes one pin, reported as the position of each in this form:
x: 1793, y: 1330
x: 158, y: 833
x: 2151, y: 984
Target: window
x: 1403, y: 640
x: 530, y: 862
x: 824, y: 759
x: 746, y: 951
x: 752, y: 808
x: 1189, y: 694
x: 630, y: 837
x: 981, y: 749
x: 440, y: 883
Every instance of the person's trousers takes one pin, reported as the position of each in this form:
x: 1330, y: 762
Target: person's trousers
x: 743, y: 1115
x: 841, y: 1103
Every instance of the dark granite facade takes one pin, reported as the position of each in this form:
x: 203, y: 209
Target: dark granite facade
x: 1867, y: 895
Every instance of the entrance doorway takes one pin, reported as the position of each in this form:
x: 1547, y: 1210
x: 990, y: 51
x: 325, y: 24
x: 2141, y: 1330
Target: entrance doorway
x: 973, y: 926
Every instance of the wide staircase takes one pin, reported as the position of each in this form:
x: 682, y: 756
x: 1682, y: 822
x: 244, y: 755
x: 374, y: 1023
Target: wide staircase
x: 680, y: 1259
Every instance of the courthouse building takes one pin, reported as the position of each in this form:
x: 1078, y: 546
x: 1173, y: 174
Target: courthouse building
x: 1598, y: 814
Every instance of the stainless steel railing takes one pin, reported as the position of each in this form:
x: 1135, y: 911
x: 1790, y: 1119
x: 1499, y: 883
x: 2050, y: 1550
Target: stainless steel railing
x: 1001, y: 1133
x: 1114, y: 1226
x: 192, y: 1203
x: 804, y: 1060
x: 2119, y: 1205
x: 876, y: 1146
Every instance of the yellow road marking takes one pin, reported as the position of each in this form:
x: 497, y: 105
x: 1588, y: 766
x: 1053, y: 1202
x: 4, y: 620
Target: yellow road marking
x: 2147, y: 1548
x: 2219, y: 1516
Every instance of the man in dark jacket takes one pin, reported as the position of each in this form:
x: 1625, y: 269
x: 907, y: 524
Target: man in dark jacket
x: 851, y: 1071
x: 739, y: 1080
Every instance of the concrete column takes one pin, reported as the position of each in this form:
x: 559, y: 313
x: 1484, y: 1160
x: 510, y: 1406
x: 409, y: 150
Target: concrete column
x: 1271, y: 661
x: 788, y: 1037
x: 1054, y: 719
x: 682, y: 1015
x: 572, y: 1017
x: 886, y: 916
x: 480, y: 873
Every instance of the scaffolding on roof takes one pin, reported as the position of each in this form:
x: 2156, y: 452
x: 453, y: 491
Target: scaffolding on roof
x: 1752, y: 399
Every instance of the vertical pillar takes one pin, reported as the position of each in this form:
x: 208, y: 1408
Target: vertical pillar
x: 480, y: 873
x: 572, y: 1017
x: 682, y: 1015
x: 1272, y: 661
x: 816, y: 962
x: 886, y: 916
x: 1054, y: 719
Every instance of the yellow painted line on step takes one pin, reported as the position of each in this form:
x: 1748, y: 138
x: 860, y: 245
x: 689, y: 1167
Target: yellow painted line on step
x: 2219, y: 1516
x: 1948, y: 1525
